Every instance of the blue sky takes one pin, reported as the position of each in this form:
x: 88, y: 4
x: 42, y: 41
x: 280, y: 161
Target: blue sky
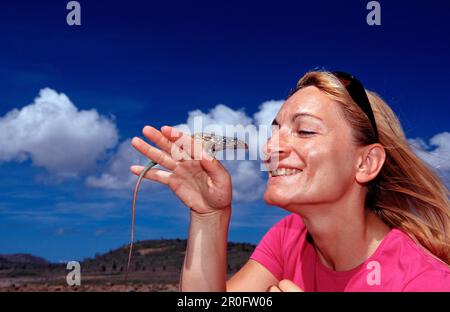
x: 152, y: 62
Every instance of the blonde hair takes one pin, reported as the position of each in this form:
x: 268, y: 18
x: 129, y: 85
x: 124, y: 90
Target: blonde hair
x: 406, y: 194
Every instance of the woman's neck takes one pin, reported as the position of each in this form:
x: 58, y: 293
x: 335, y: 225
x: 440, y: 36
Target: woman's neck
x: 344, y: 234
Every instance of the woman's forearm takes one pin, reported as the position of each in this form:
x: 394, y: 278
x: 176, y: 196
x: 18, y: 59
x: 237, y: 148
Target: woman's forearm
x: 205, y: 262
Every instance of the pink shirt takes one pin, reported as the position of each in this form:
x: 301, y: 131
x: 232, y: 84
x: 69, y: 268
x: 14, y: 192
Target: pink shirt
x: 398, y: 264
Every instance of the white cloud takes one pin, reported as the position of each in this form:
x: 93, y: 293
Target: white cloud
x: 220, y: 115
x: 248, y: 181
x: 56, y: 135
x: 117, y: 174
x: 436, y: 153
x: 267, y: 112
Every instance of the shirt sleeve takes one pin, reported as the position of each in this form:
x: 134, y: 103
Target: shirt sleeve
x: 269, y: 251
x: 430, y: 281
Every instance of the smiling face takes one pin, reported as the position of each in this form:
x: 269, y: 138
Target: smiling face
x: 314, y: 149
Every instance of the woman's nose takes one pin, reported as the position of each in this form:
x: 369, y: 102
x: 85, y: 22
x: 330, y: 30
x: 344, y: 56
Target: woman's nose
x: 276, y: 146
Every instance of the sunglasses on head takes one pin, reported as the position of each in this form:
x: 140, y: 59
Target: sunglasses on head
x: 358, y: 93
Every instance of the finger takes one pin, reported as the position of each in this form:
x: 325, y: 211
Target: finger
x: 153, y: 153
x: 273, y: 288
x: 157, y: 175
x: 289, y: 286
x: 164, y: 144
x: 184, y: 141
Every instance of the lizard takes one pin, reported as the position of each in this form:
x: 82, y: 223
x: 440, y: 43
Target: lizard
x: 211, y: 143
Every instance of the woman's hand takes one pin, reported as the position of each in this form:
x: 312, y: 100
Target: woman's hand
x: 285, y: 286
x: 203, y: 185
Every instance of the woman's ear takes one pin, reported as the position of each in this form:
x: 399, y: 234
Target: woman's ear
x: 370, y: 162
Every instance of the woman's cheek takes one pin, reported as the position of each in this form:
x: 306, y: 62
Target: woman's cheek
x: 327, y: 173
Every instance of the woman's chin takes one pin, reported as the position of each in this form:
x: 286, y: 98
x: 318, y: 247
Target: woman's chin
x: 275, y: 198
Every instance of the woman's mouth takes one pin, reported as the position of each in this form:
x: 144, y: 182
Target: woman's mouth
x: 284, y: 172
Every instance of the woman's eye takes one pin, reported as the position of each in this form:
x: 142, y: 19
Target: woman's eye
x: 305, y: 132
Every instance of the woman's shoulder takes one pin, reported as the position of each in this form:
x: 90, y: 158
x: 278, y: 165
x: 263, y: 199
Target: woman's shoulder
x: 419, y: 269
x: 281, y: 244
x: 413, y: 252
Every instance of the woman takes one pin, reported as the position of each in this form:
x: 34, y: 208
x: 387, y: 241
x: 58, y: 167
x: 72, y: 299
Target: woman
x: 367, y: 213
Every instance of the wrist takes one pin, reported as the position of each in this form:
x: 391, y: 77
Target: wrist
x: 213, y: 216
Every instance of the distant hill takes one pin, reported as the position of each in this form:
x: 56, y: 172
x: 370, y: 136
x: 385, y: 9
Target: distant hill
x: 153, y: 261
x: 21, y: 261
x: 158, y: 260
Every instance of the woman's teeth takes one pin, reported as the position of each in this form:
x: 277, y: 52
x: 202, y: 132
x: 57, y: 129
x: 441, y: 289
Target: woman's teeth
x: 284, y: 172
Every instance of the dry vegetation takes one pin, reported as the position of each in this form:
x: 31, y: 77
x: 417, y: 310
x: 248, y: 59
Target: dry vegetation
x: 156, y: 266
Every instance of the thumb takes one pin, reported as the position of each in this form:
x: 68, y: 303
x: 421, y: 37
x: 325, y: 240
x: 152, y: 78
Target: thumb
x: 215, y: 170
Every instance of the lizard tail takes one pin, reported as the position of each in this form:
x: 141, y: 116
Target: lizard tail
x: 133, y: 213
